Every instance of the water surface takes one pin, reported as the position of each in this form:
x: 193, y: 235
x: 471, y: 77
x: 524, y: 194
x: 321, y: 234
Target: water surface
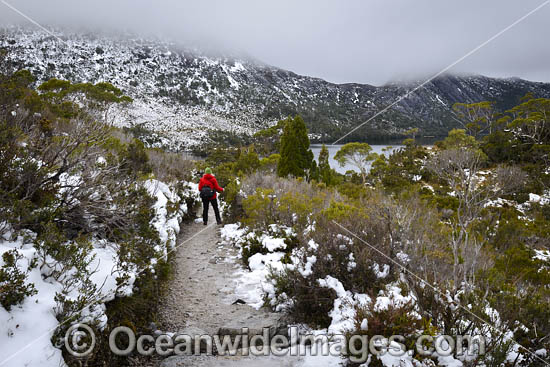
x: 332, y: 149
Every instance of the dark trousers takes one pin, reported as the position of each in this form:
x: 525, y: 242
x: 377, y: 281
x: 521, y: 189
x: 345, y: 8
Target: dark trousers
x: 214, y: 203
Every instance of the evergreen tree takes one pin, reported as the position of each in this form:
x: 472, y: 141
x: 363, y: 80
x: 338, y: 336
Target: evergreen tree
x: 313, y: 173
x: 296, y: 157
x: 325, y: 172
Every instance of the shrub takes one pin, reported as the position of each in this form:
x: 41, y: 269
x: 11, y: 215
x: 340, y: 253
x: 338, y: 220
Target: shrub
x: 269, y: 164
x: 395, y: 319
x: 13, y: 286
x: 296, y: 209
x: 260, y: 208
x: 169, y: 167
x: 343, y: 212
x: 247, y: 161
x: 136, y: 158
x: 253, y: 242
x: 310, y: 303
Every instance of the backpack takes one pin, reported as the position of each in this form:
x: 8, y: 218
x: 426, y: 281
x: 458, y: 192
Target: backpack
x: 207, y: 192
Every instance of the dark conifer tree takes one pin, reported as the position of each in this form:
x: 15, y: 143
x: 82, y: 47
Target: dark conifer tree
x: 296, y: 157
x: 325, y: 172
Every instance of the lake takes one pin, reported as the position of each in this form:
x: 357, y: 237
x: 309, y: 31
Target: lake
x: 332, y: 149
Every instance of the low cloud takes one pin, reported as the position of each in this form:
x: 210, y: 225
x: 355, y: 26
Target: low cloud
x: 372, y: 41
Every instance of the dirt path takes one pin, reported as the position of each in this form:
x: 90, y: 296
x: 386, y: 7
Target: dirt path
x: 200, y: 298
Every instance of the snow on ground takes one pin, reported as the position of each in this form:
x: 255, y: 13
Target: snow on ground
x: 542, y: 200
x: 32, y: 324
x: 343, y: 313
x: 254, y: 288
x: 168, y: 227
x: 251, y: 285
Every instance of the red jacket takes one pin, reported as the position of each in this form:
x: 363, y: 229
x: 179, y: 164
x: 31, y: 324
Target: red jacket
x: 210, y: 181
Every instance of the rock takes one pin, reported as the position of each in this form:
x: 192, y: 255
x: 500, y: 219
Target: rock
x: 255, y: 325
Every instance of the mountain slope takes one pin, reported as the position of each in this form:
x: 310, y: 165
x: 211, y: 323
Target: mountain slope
x: 186, y: 98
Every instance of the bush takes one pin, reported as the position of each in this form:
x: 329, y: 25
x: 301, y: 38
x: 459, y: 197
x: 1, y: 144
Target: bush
x: 13, y: 286
x: 310, y: 303
x: 170, y: 167
x: 260, y: 208
x: 395, y: 319
x: 254, y: 242
x: 74, y: 181
x: 136, y: 158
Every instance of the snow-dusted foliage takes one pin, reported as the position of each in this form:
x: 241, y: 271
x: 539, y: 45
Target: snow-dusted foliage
x: 84, y: 218
x: 258, y: 287
x: 370, y: 263
x: 35, y: 320
x: 184, y: 97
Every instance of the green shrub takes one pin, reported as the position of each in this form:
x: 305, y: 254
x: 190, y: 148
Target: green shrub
x: 13, y: 286
x: 343, y: 212
x: 136, y: 158
x: 352, y: 190
x: 260, y: 208
x: 269, y: 164
x: 247, y: 161
x: 392, y: 320
x: 310, y: 302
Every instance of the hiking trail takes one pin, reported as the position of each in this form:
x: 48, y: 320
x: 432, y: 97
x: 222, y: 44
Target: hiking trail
x: 200, y: 299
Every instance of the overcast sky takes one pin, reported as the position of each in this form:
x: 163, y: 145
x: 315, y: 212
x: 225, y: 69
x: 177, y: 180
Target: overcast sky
x: 365, y: 41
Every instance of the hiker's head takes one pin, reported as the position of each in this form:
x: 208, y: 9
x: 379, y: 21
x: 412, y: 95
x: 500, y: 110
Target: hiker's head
x: 208, y: 171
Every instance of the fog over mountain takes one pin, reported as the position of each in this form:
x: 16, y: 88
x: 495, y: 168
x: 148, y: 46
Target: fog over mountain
x: 185, y: 99
x: 353, y: 41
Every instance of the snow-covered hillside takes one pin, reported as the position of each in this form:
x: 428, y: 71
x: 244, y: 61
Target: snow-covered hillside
x: 183, y: 96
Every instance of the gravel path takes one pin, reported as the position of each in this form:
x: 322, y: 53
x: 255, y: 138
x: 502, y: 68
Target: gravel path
x: 201, y: 296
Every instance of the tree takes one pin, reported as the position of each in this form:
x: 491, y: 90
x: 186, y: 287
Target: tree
x: 531, y: 121
x: 267, y: 140
x: 248, y: 161
x: 412, y: 133
x: 326, y: 173
x: 358, y: 155
x: 477, y: 118
x: 460, y: 168
x: 296, y: 157
x: 96, y: 98
x: 458, y: 139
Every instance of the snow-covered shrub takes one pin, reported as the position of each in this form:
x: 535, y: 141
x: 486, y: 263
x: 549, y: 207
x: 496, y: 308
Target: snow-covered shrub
x: 327, y: 253
x: 275, y: 239
x: 388, y: 315
x: 13, y: 281
x: 90, y: 231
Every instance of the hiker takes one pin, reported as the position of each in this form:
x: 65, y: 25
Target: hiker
x: 208, y: 185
